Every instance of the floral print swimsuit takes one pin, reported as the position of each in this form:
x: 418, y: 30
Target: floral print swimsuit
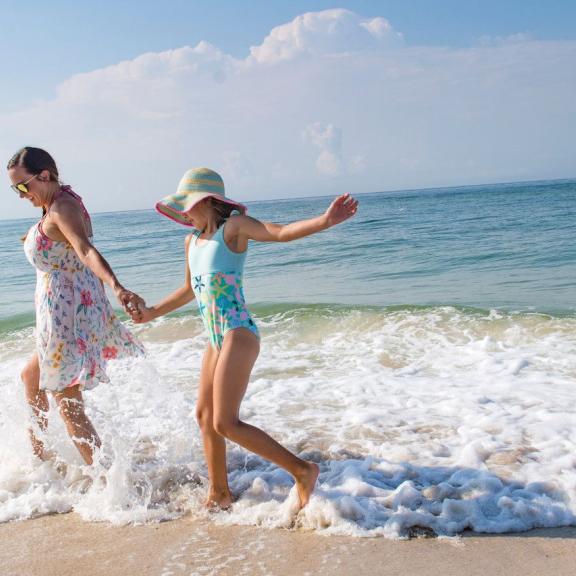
x: 217, y: 275
x: 77, y: 331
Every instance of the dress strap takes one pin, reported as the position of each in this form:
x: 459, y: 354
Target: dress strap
x: 69, y: 190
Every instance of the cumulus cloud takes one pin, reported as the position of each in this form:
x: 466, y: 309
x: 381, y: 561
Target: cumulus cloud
x: 328, y: 140
x: 326, y: 32
x: 360, y: 112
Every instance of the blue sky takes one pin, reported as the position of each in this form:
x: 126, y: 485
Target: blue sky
x: 49, y: 41
x: 357, y: 96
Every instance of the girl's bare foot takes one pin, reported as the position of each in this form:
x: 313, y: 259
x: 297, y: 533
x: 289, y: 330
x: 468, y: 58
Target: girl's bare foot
x: 217, y: 501
x: 306, y: 482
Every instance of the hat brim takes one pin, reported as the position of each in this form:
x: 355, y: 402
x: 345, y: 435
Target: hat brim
x: 176, y: 206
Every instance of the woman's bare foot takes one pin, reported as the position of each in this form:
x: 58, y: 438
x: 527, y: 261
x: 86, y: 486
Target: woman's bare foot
x: 306, y: 482
x: 50, y: 456
x: 217, y: 501
x: 45, y: 454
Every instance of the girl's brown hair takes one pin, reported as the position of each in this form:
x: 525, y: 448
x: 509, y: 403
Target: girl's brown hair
x: 222, y: 209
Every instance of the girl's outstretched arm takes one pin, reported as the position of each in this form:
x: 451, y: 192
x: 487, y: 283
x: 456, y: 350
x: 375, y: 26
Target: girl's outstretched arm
x: 173, y: 301
x: 342, y: 208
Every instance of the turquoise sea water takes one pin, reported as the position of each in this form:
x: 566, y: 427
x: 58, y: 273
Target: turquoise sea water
x: 422, y: 353
x: 510, y: 247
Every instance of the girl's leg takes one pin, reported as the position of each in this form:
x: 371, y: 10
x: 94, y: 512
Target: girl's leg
x: 38, y: 401
x: 80, y: 429
x: 239, y: 351
x: 214, y: 444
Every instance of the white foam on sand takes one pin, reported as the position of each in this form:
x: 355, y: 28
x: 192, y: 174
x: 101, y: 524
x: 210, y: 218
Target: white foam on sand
x: 437, y: 418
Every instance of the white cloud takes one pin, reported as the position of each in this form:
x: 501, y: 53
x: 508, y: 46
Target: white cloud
x: 377, y: 115
x: 328, y: 140
x: 517, y: 38
x: 326, y: 32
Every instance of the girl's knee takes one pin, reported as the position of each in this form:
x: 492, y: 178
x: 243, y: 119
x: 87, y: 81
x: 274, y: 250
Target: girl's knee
x: 225, y: 426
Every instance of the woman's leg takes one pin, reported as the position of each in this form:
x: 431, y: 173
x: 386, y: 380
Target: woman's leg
x: 71, y: 406
x: 239, y: 351
x: 38, y: 401
x: 214, y: 444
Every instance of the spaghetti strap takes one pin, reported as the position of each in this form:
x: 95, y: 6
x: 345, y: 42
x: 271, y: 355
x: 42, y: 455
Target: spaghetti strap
x: 69, y: 190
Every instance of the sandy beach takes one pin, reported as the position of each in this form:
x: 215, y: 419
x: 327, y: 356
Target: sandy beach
x: 64, y: 545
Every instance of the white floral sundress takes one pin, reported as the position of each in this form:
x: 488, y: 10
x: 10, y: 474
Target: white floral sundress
x: 77, y: 331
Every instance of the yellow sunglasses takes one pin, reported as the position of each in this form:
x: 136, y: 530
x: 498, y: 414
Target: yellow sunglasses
x: 21, y: 187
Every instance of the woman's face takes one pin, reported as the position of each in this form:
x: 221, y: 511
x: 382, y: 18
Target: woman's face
x: 36, y: 186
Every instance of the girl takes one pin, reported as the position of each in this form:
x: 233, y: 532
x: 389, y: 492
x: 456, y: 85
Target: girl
x: 77, y: 331
x: 215, y: 255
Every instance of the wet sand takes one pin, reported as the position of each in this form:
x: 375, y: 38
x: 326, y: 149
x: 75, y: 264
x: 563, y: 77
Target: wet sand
x: 62, y: 545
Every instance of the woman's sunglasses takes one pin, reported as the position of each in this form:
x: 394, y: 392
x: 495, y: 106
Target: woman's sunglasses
x: 21, y: 187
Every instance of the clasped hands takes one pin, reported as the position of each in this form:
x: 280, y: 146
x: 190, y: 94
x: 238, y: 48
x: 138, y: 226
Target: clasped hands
x: 133, y: 305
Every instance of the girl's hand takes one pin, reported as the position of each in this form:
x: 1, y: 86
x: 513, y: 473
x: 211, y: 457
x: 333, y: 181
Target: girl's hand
x: 143, y: 314
x: 341, y: 209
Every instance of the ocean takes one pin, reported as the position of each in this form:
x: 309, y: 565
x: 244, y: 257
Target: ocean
x: 423, y: 353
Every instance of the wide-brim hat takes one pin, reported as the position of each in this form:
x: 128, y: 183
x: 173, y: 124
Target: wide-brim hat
x: 194, y: 186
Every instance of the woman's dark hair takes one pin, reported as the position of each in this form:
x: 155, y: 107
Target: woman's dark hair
x: 222, y: 209
x: 35, y: 160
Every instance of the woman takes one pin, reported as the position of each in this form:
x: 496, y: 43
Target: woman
x: 215, y: 255
x: 77, y: 331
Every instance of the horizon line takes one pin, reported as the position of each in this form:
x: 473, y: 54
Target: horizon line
x: 395, y: 191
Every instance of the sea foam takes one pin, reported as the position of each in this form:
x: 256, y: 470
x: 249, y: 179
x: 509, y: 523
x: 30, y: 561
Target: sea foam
x: 440, y: 418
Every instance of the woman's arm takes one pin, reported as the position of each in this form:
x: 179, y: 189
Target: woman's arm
x: 70, y: 221
x: 342, y: 208
x: 173, y: 301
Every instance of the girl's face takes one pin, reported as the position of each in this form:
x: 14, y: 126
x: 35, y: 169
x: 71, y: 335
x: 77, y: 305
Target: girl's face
x: 35, y: 183
x: 200, y: 214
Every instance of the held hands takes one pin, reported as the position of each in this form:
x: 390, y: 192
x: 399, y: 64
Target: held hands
x: 131, y: 302
x: 143, y: 314
x: 341, y: 209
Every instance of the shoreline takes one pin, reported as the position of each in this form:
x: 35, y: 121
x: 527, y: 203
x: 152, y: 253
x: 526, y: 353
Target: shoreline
x: 65, y: 545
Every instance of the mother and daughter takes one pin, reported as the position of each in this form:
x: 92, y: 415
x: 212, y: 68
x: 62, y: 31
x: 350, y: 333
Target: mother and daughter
x: 77, y: 332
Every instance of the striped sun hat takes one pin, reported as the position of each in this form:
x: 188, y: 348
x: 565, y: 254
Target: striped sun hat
x: 195, y: 185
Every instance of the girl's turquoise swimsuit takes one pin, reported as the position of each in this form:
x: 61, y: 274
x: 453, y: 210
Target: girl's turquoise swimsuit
x: 217, y: 274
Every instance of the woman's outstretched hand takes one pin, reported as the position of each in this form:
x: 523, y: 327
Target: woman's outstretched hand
x: 341, y: 209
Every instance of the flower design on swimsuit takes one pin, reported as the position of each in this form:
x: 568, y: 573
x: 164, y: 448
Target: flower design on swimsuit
x: 220, y: 290
x: 198, y: 284
x: 222, y: 302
